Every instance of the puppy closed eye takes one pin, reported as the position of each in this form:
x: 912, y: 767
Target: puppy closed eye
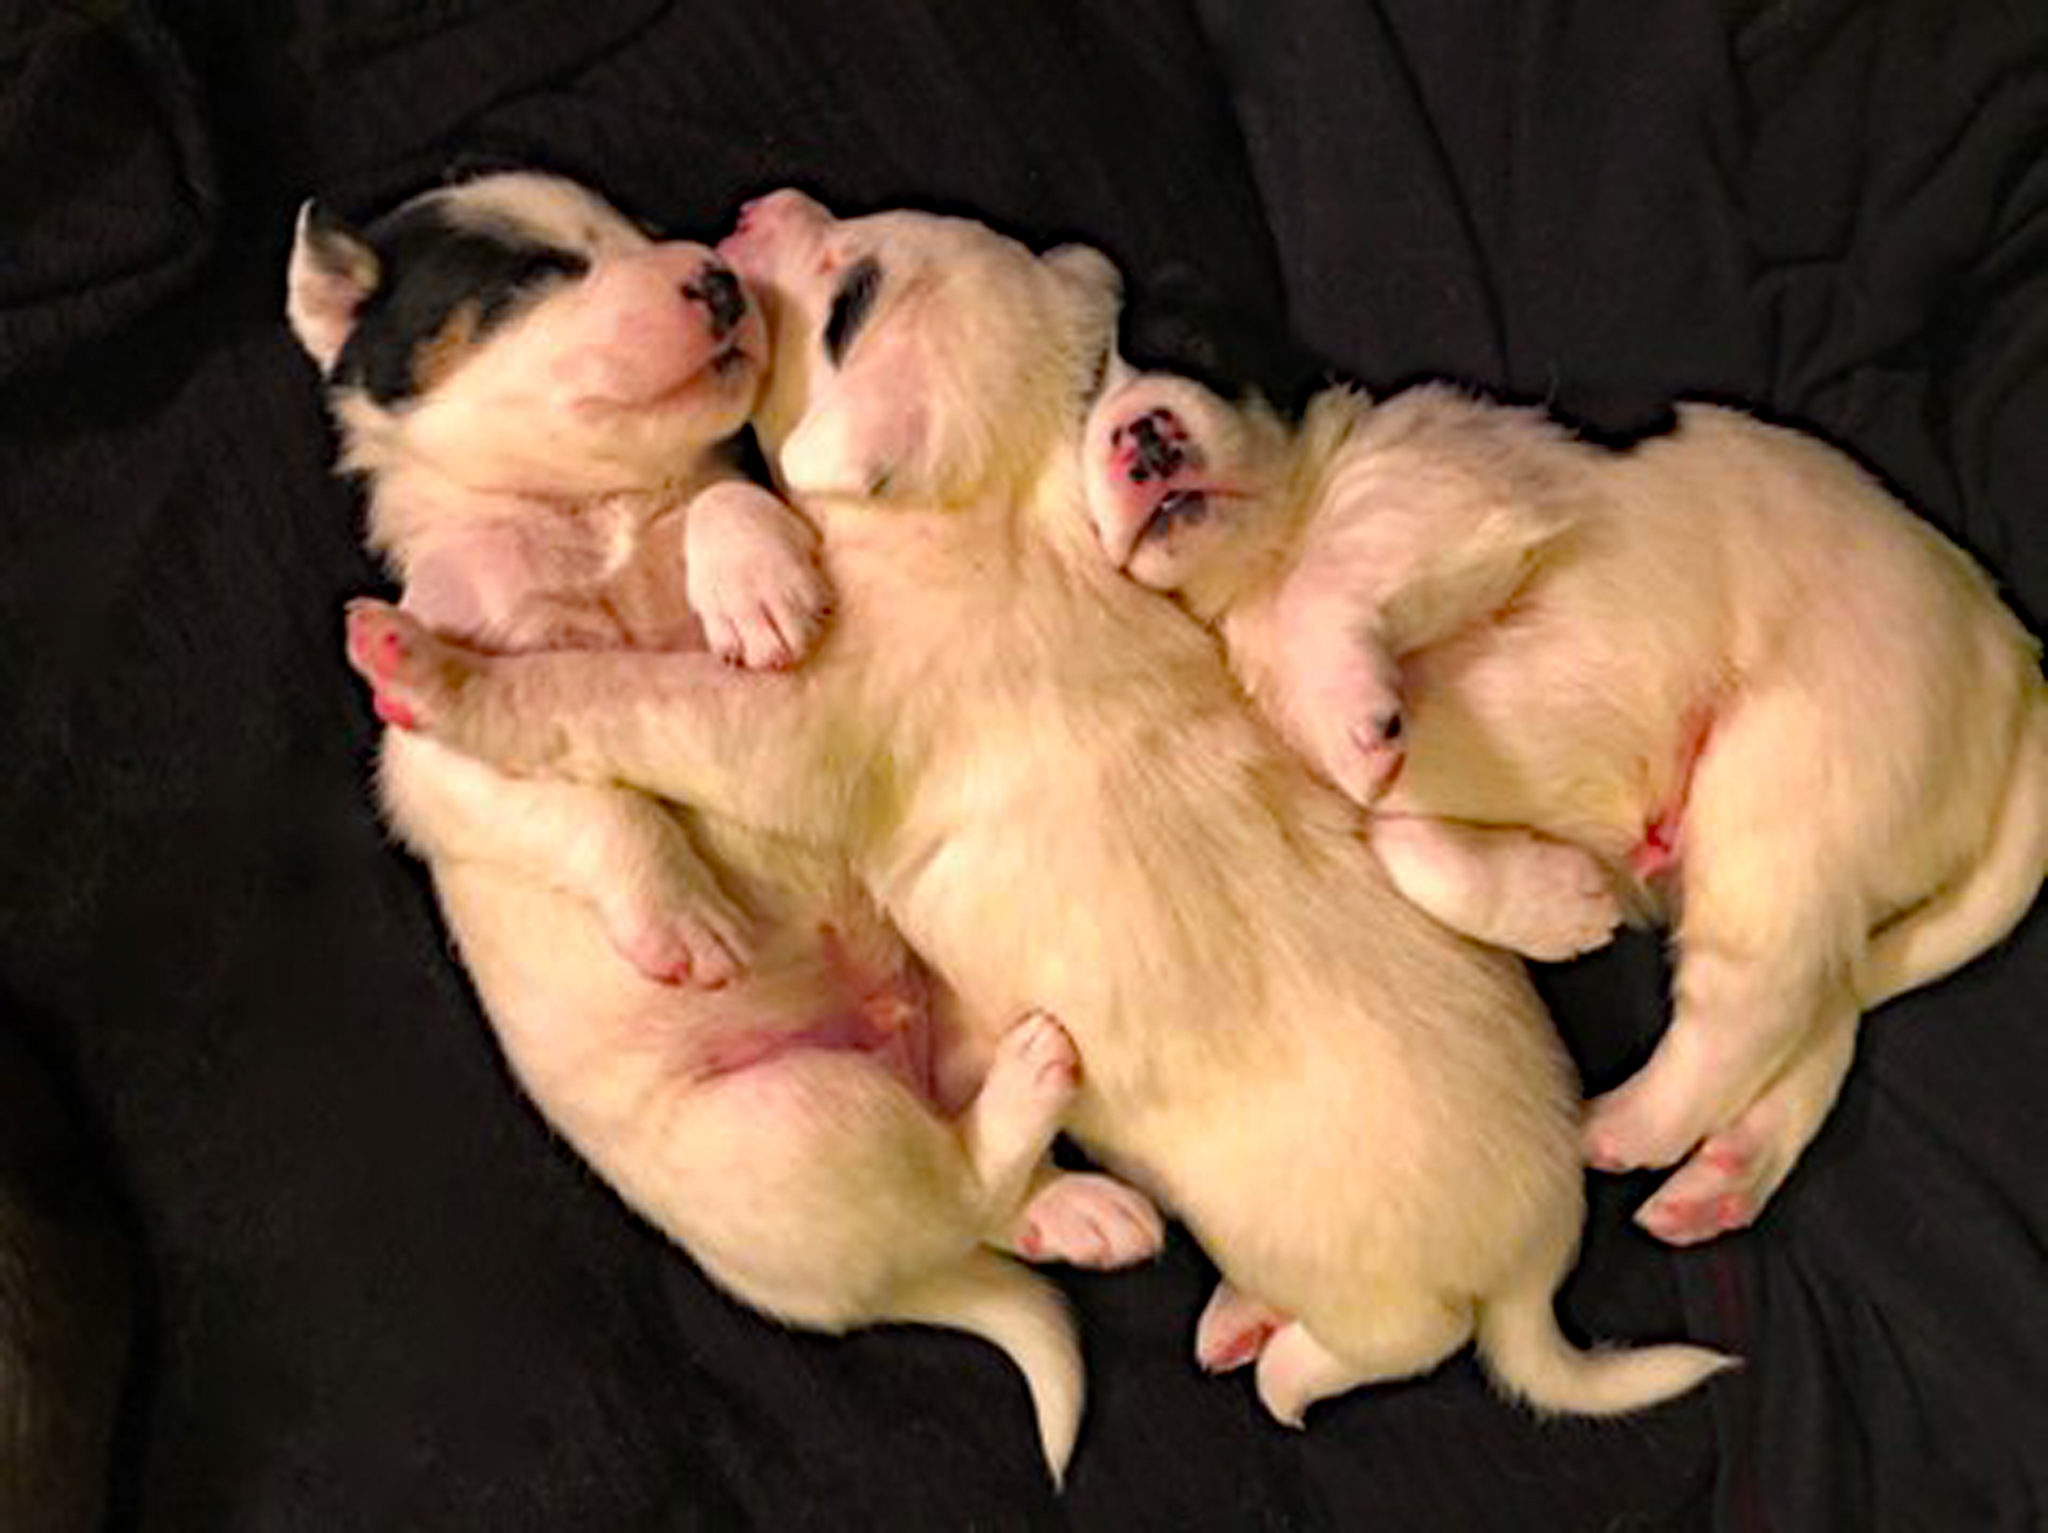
x: 851, y: 306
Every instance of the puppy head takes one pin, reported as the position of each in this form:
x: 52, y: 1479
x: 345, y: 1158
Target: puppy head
x: 1189, y: 449
x: 1181, y: 482
x: 917, y: 357
x: 516, y: 332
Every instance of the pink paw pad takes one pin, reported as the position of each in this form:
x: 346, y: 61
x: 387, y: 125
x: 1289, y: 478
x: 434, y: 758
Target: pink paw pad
x: 1239, y: 1348
x: 394, y: 712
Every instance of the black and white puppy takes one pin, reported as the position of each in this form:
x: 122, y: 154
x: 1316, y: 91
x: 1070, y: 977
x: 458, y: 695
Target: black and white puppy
x: 541, y: 399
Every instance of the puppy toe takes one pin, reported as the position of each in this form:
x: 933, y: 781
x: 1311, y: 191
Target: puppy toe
x: 1233, y: 1330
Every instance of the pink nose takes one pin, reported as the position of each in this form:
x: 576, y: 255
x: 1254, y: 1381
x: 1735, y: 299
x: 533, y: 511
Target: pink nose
x: 778, y: 212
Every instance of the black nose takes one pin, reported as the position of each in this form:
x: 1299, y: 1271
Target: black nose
x: 719, y: 291
x: 1159, y: 455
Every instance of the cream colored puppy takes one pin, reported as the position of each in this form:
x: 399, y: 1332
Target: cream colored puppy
x: 539, y: 396
x: 1786, y: 716
x: 1050, y: 782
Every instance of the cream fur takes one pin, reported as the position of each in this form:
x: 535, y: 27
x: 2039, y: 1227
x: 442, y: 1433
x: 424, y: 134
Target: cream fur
x: 1729, y: 633
x: 1049, y: 781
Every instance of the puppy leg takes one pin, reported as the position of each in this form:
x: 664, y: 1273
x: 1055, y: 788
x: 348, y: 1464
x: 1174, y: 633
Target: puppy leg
x: 621, y: 853
x: 1234, y: 1330
x: 753, y: 576
x: 1726, y: 1182
x: 1511, y: 888
x: 683, y: 726
x: 1010, y: 1125
x: 1338, y: 697
x: 1739, y: 1019
x: 1771, y: 916
x: 1086, y: 1220
x: 1403, y: 1340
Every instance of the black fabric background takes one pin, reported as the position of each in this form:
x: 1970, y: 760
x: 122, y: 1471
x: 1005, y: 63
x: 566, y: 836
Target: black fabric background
x: 379, y: 1296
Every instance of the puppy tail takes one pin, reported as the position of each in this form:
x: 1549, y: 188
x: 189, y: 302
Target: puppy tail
x: 1529, y: 1357
x: 1965, y: 919
x: 994, y: 1298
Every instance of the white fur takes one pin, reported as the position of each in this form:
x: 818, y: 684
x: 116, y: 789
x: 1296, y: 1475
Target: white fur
x: 1049, y: 781
x: 1729, y: 634
x: 814, y: 1182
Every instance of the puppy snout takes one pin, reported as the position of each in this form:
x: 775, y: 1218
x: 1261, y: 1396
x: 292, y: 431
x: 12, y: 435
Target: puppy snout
x: 779, y: 209
x: 720, y: 292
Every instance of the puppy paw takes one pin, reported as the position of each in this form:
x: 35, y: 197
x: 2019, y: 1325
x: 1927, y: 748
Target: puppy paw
x: 703, y: 941
x: 1722, y: 1187
x: 1034, y: 1073
x: 1031, y: 1078
x: 1233, y: 1330
x: 1090, y: 1221
x: 1555, y: 902
x: 1725, y: 1183
x: 753, y: 578
x: 1355, y: 727
x: 411, y: 673
x: 1633, y: 1128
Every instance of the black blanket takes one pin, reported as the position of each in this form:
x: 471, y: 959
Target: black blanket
x: 378, y: 1295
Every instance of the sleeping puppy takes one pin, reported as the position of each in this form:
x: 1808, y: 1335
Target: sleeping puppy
x: 1787, y: 717
x: 539, y: 396
x: 1048, y: 779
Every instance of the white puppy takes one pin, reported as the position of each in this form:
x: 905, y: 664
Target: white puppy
x: 539, y: 396
x: 1048, y: 779
x: 1787, y: 716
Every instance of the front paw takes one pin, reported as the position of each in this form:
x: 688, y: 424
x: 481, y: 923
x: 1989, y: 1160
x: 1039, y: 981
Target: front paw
x: 753, y: 578
x: 1357, y: 735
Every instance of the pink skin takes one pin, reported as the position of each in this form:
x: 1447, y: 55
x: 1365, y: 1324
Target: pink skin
x: 1234, y: 1330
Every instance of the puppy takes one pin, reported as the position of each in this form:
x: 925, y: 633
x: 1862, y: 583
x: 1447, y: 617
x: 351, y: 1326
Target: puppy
x: 1048, y: 779
x: 538, y: 395
x: 1786, y: 716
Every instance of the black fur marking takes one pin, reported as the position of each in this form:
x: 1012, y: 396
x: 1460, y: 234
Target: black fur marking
x: 851, y: 306
x: 1175, y: 322
x: 431, y: 268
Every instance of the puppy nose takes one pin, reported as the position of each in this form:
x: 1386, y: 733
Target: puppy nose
x: 1157, y: 452
x: 719, y: 291
x: 788, y: 206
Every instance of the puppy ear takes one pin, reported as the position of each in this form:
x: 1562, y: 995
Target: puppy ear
x: 332, y: 271
x: 868, y: 430
x: 1089, y: 270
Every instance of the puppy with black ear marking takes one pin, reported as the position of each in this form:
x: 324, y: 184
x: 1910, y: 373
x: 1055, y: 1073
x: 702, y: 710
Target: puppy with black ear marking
x: 540, y: 397
x: 1782, y: 712
x: 1049, y: 780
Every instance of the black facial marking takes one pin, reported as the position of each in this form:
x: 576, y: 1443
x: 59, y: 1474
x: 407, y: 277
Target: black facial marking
x: 431, y: 268
x: 851, y: 306
x: 1176, y: 322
